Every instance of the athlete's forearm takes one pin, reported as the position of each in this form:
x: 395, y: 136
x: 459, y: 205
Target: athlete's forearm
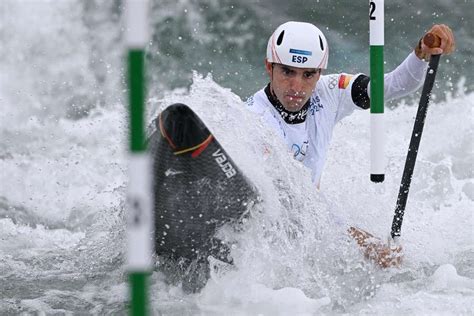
x: 405, y: 79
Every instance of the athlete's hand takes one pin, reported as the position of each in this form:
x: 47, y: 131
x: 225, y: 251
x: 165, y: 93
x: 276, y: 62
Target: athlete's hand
x: 374, y: 249
x: 442, y: 43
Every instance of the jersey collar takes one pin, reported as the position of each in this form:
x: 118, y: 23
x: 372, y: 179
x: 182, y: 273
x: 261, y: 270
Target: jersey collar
x: 289, y: 117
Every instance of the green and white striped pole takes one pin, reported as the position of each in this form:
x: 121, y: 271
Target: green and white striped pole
x: 377, y: 131
x: 139, y: 195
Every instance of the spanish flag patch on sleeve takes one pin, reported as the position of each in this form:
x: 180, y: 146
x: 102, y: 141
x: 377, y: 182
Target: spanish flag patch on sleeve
x: 344, y: 81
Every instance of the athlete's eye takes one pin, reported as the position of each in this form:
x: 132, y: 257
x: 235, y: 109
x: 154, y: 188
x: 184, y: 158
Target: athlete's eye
x: 309, y: 74
x: 287, y: 71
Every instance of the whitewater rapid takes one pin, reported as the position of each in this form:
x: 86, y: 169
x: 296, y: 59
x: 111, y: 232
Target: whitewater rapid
x: 63, y: 163
x: 62, y: 228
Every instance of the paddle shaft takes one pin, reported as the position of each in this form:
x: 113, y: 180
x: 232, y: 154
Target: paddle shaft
x: 414, y: 145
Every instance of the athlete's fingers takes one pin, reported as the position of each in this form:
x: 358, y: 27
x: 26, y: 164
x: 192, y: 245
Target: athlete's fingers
x: 431, y: 50
x: 446, y: 36
x: 451, y: 42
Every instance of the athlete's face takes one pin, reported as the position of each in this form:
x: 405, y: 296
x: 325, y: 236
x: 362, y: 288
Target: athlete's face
x: 292, y: 86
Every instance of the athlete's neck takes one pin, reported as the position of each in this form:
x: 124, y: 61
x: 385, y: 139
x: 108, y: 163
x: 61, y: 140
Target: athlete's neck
x: 288, y: 116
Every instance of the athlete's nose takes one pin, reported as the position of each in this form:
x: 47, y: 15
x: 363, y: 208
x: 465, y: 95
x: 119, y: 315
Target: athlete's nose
x: 296, y: 84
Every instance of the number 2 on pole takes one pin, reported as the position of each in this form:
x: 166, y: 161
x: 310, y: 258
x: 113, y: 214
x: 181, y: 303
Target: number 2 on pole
x: 372, y: 10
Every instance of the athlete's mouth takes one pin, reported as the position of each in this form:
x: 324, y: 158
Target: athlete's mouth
x: 294, y: 97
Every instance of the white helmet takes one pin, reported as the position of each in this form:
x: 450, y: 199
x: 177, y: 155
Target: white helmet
x: 298, y: 44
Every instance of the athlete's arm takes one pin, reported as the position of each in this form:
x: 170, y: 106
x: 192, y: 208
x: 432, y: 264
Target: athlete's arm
x: 405, y: 79
x: 409, y: 75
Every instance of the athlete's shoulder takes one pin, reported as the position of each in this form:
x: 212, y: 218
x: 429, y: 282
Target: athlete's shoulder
x: 258, y: 101
x: 335, y: 82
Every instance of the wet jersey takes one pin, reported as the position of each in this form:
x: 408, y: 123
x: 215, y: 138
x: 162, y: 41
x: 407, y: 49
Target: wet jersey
x: 308, y: 132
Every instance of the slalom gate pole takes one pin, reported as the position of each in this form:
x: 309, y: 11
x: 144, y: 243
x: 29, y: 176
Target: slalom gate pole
x: 377, y: 126
x: 432, y: 41
x: 139, y: 195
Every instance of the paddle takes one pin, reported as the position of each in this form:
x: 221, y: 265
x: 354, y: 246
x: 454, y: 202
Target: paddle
x: 430, y: 40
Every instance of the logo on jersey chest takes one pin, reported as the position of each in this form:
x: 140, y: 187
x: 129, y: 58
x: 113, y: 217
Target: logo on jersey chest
x: 299, y: 150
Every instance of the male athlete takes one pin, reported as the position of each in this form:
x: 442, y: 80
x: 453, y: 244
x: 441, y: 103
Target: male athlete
x: 303, y: 106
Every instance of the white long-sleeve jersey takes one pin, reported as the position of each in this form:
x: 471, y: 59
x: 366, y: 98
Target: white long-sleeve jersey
x: 308, y: 132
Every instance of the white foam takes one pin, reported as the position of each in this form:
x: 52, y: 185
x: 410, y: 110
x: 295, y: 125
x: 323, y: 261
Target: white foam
x: 291, y: 255
x: 447, y: 278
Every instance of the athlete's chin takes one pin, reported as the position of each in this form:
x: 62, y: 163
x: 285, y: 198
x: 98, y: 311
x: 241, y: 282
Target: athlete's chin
x: 293, y: 106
